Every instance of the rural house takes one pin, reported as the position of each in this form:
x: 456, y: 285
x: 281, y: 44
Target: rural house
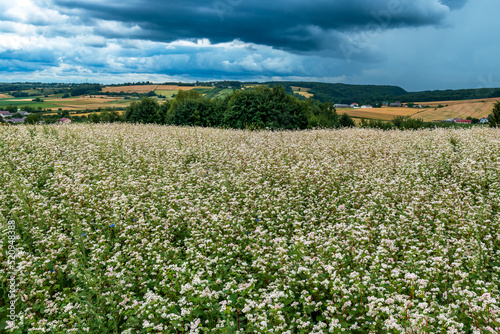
x: 459, y: 120
x: 65, y: 120
x: 366, y: 106
x: 396, y: 104
x: 4, y: 113
x: 15, y: 120
x: 341, y: 106
x: 354, y: 105
x: 483, y: 120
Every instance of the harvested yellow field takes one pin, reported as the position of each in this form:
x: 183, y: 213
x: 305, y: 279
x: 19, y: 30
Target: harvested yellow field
x: 90, y: 102
x: 458, y: 109
x: 451, y: 103
x: 87, y: 102
x: 120, y: 112
x: 177, y: 88
x: 302, y: 91
x: 384, y: 114
x: 305, y: 94
x: 131, y: 89
x: 11, y: 99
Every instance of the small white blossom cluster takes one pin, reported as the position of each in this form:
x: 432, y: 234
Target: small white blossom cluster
x: 153, y: 229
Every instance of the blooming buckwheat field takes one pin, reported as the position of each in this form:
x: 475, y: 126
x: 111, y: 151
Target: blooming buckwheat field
x: 155, y: 229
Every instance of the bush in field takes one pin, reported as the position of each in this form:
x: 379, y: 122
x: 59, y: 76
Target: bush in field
x: 322, y: 115
x: 109, y: 116
x: 406, y: 123
x: 32, y: 119
x: 494, y: 117
x: 94, y: 117
x: 346, y: 121
x: 146, y: 111
x: 190, y: 108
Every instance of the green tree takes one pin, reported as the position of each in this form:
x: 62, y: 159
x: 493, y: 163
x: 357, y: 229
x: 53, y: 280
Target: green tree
x: 109, y: 116
x: 494, y: 117
x: 131, y: 111
x: 398, y: 121
x: 94, y: 117
x: 32, y: 119
x: 322, y: 115
x: 197, y: 112
x: 11, y: 108
x: 146, y: 111
x: 265, y: 107
x: 346, y: 121
x: 64, y: 113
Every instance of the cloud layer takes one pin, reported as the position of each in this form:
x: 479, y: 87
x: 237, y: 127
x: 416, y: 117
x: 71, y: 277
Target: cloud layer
x: 118, y: 41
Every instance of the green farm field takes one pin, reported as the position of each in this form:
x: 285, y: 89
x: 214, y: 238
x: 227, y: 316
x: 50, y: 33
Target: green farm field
x: 128, y: 228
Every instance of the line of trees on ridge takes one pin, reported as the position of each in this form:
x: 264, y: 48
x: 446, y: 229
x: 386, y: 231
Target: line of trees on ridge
x: 259, y: 108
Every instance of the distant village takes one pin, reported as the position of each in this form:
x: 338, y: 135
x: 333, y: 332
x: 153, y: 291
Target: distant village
x: 20, y: 117
x: 396, y: 104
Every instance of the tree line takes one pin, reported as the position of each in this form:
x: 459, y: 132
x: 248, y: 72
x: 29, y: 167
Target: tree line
x: 259, y: 108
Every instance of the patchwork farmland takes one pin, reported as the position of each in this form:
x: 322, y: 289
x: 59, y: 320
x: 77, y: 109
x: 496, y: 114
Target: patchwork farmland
x: 151, y: 88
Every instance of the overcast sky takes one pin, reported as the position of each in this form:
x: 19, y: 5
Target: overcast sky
x: 416, y: 44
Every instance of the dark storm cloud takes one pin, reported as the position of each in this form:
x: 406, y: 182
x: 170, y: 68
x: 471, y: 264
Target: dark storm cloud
x: 300, y: 26
x: 417, y: 44
x: 454, y: 4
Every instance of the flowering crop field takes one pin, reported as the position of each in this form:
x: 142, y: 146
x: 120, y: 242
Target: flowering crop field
x: 153, y: 229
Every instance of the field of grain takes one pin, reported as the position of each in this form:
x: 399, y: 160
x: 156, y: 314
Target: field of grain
x: 177, y: 88
x: 131, y: 89
x: 384, y: 114
x: 127, y: 228
x: 302, y: 91
x: 120, y: 112
x: 72, y: 103
x: 458, y: 109
x: 450, y: 103
x: 89, y: 103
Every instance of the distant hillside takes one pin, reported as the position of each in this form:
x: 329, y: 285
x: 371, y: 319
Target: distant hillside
x: 320, y: 91
x: 451, y: 95
x: 371, y: 94
x: 344, y: 93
